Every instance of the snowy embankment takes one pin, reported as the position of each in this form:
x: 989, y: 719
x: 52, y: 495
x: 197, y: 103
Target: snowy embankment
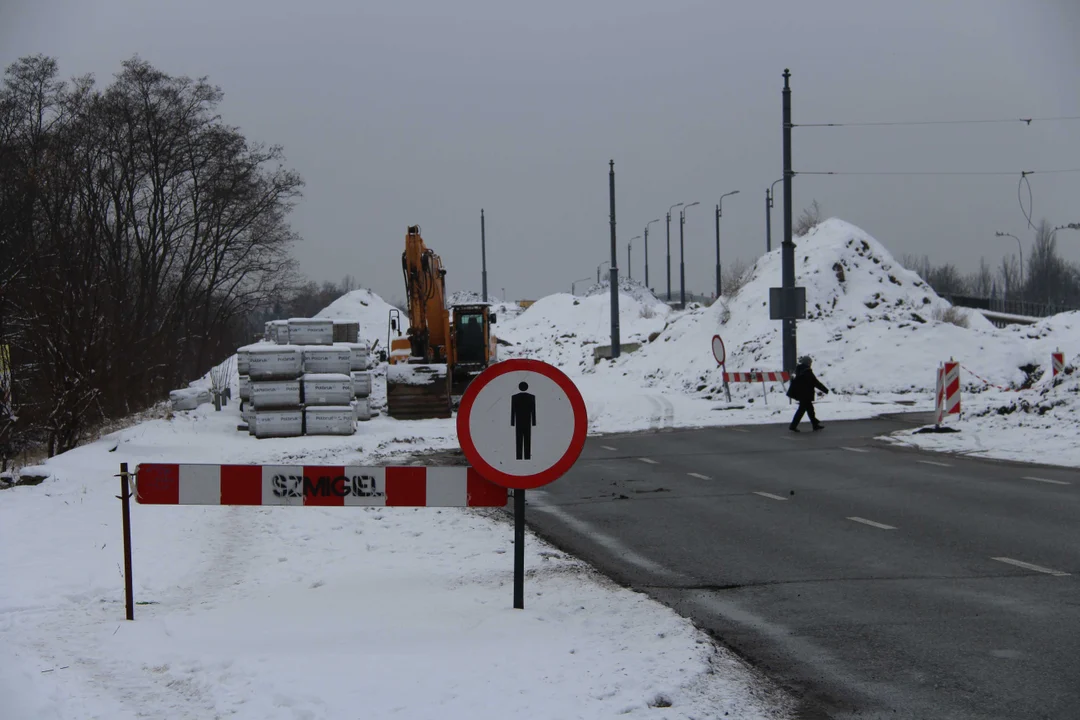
x: 288, y: 612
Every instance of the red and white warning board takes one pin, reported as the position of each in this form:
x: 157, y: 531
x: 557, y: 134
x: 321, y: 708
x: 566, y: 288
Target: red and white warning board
x: 522, y: 423
x: 401, y: 486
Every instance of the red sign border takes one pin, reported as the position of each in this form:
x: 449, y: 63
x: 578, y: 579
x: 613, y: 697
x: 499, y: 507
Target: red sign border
x: 718, y: 360
x: 577, y: 440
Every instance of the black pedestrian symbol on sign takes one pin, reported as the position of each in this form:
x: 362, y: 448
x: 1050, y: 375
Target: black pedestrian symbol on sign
x: 522, y: 419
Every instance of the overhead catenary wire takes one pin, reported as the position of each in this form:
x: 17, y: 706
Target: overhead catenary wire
x: 1022, y: 173
x: 989, y: 121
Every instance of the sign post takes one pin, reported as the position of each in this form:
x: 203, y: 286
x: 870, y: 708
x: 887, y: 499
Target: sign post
x: 720, y: 353
x: 521, y: 424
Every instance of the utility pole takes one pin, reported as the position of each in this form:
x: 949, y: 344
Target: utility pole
x: 629, y: 261
x: 788, y: 249
x: 770, y: 195
x: 669, y: 248
x: 483, y: 254
x: 719, y: 212
x: 647, y: 251
x: 682, y: 254
x: 615, y: 350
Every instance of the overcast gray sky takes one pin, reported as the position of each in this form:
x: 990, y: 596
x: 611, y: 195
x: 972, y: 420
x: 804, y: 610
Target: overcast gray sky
x: 425, y: 111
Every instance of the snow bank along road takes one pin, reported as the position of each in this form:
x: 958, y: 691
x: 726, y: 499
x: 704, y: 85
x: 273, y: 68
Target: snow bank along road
x: 873, y: 580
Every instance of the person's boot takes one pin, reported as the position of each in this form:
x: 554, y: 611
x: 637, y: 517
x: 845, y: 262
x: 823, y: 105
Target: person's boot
x: 818, y: 426
x: 793, y: 428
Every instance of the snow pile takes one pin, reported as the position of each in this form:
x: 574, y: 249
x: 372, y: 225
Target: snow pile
x: 563, y: 329
x: 291, y: 612
x: 633, y: 288
x: 367, y: 309
x: 872, y: 326
x: 1039, y: 423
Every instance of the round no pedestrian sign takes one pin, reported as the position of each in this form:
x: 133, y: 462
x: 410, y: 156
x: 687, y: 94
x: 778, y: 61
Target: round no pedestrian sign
x: 522, y: 423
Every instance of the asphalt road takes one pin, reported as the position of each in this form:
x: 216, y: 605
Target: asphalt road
x: 872, y: 581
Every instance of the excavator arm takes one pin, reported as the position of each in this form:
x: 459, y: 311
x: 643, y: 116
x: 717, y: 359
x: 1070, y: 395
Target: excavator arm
x: 425, y: 289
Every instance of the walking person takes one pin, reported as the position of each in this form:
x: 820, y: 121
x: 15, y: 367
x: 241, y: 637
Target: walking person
x: 801, y: 390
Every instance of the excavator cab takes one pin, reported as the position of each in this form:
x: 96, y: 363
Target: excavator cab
x: 472, y: 344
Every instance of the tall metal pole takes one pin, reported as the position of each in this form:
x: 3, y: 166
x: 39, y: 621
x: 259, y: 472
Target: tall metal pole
x: 483, y: 253
x: 788, y: 248
x: 669, y: 248
x: 718, y: 251
x: 682, y: 262
x: 646, y: 256
x: 629, y: 259
x: 615, y: 350
x: 669, y: 255
x: 719, y: 214
x: 647, y: 250
x: 768, y: 220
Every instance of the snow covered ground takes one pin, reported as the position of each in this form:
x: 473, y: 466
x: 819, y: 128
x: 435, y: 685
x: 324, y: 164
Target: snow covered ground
x: 260, y: 612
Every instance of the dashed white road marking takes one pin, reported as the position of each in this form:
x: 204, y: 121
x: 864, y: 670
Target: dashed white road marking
x: 871, y: 523
x: 740, y: 430
x: 769, y: 495
x: 1047, y: 480
x: 933, y: 462
x: 649, y: 460
x: 854, y: 449
x: 699, y: 476
x: 1029, y: 566
x: 608, y: 447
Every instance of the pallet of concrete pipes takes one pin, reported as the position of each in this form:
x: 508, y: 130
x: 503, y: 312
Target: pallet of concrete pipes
x: 270, y: 389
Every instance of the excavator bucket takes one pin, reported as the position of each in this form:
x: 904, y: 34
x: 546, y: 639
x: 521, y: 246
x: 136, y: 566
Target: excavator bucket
x: 417, y: 392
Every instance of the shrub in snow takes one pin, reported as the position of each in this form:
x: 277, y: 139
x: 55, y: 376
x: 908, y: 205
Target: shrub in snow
x: 952, y: 315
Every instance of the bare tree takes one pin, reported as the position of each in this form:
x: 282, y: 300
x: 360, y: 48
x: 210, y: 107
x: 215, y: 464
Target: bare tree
x: 143, y: 231
x: 810, y: 219
x: 735, y: 276
x: 980, y: 282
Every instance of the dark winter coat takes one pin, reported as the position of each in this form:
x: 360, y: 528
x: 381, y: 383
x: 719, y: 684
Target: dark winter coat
x: 803, y: 385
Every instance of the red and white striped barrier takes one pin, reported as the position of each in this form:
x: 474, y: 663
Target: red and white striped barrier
x: 947, y: 396
x: 341, y: 486
x: 1057, y: 359
x: 757, y: 376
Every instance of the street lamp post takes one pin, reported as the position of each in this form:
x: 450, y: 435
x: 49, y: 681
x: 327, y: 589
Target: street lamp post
x: 647, y: 250
x: 770, y: 193
x: 682, y: 254
x: 719, y: 212
x: 606, y: 262
x: 629, y: 247
x: 573, y: 285
x: 669, y: 248
x: 1021, y: 248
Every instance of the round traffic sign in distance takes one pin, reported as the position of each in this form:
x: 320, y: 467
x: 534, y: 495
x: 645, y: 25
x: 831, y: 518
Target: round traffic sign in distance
x: 718, y: 350
x: 522, y: 423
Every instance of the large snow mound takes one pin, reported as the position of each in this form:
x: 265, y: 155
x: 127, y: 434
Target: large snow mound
x: 871, y: 325
x: 563, y: 329
x: 366, y: 308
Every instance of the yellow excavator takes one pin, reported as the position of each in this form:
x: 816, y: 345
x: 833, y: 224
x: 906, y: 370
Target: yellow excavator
x: 440, y: 353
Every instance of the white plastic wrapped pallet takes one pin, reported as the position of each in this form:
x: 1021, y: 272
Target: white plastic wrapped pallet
x: 279, y: 423
x: 311, y: 331
x: 275, y: 394
x: 327, y: 359
x: 360, y: 355
x: 274, y: 362
x: 327, y: 389
x: 329, y: 420
x: 244, y: 388
x: 361, y: 384
x: 188, y: 398
x: 362, y: 408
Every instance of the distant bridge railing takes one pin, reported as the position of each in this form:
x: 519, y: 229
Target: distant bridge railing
x: 1011, y: 307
